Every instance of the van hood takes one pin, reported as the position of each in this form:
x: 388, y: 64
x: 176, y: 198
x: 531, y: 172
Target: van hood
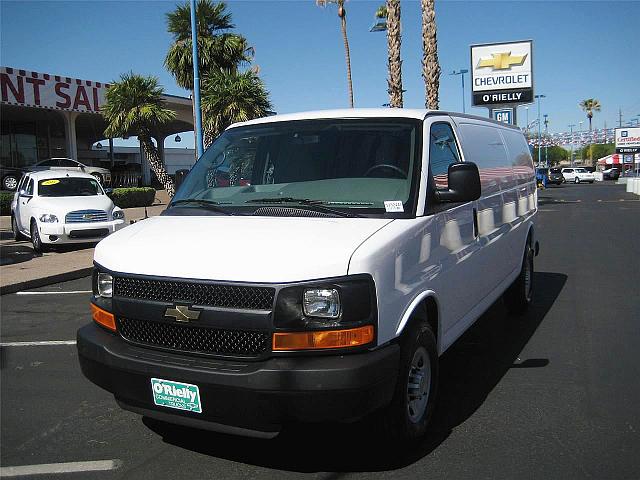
x: 237, y: 249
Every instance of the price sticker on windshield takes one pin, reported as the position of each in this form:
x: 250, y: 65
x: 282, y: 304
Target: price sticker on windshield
x: 393, y: 206
x: 50, y: 182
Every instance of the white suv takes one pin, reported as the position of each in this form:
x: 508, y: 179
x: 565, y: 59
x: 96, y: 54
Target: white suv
x: 577, y: 175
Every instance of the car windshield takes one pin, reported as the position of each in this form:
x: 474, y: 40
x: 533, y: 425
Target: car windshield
x: 68, y: 187
x: 345, y: 164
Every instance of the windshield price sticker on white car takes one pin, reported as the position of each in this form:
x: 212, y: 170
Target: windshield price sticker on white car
x: 181, y: 396
x: 393, y: 206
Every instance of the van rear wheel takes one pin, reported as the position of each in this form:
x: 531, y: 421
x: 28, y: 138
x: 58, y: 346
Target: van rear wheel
x: 519, y: 295
x: 414, y: 399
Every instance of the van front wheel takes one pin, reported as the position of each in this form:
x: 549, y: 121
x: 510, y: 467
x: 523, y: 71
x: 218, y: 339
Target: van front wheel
x: 414, y: 399
x: 519, y: 295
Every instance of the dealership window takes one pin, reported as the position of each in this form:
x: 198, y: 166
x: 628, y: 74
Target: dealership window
x: 29, y: 135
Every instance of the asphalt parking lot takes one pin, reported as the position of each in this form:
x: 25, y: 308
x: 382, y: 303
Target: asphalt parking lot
x: 551, y: 395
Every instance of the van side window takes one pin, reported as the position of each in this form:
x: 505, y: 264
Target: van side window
x: 483, y: 146
x: 443, y: 151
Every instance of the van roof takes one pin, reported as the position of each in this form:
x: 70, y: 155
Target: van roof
x: 412, y: 113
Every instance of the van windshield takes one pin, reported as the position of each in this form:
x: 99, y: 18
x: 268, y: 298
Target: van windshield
x: 356, y: 164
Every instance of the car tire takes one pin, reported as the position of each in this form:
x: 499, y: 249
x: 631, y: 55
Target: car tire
x: 10, y: 182
x: 36, y: 241
x: 591, y: 181
x: 576, y: 180
x: 17, y: 236
x: 98, y: 177
x: 519, y: 295
x: 410, y: 411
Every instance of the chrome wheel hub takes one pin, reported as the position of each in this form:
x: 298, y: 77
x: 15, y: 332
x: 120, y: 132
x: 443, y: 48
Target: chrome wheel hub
x: 418, y: 385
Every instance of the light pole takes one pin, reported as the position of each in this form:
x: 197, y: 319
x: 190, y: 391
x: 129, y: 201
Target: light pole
x: 526, y: 108
x: 196, y: 81
x: 461, y: 73
x: 571, y: 135
x: 539, y: 129
x: 546, y: 132
x: 581, y: 149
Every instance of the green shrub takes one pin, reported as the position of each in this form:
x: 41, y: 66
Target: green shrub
x: 133, y: 197
x: 5, y: 203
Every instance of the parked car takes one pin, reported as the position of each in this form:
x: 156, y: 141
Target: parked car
x: 103, y: 175
x: 611, y: 174
x: 10, y: 176
x: 324, y: 288
x: 53, y: 208
x: 578, y: 175
x: 556, y: 177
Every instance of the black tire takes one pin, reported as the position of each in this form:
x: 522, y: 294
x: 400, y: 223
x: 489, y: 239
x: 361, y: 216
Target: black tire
x: 407, y: 417
x: 38, y: 246
x: 576, y: 180
x: 10, y: 182
x: 591, y: 181
x: 518, y: 296
x: 17, y: 236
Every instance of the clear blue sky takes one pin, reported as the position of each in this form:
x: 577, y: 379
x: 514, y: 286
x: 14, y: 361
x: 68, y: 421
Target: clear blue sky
x: 581, y: 49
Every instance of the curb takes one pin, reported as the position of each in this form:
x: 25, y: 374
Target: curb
x: 44, y: 281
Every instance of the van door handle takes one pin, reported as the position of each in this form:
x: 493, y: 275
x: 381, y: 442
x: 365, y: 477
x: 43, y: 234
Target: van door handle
x: 475, y: 223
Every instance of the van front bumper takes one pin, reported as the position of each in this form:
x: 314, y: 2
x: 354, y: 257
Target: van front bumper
x: 248, y: 398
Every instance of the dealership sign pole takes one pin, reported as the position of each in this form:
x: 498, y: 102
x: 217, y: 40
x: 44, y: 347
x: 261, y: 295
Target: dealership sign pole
x: 628, y: 144
x: 502, y: 78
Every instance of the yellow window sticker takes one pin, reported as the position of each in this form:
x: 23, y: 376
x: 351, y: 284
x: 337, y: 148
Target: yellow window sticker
x: 50, y: 182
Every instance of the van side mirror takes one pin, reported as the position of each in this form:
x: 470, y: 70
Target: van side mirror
x: 23, y: 193
x: 464, y: 183
x: 108, y: 191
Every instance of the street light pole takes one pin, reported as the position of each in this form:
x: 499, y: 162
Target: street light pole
x: 539, y: 130
x: 527, y: 124
x: 571, y: 134
x: 196, y: 81
x: 461, y: 73
x: 581, y: 149
x: 546, y: 132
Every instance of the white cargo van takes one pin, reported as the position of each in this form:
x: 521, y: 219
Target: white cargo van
x: 313, y: 267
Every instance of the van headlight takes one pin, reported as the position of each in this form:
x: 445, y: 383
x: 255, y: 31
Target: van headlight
x: 48, y: 218
x: 118, y: 214
x: 321, y: 302
x: 104, y: 285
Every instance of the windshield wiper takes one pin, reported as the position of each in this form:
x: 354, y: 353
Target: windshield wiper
x: 206, y: 204
x: 316, y: 205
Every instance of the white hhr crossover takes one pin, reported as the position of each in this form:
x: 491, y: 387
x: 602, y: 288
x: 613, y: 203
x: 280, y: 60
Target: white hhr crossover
x: 55, y: 207
x: 314, y: 267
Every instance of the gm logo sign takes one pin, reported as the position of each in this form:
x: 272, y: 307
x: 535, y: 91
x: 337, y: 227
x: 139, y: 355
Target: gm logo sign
x: 504, y: 115
x: 624, y: 134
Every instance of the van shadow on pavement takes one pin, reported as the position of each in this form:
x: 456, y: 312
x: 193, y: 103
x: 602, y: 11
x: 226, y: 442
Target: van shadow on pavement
x: 469, y: 371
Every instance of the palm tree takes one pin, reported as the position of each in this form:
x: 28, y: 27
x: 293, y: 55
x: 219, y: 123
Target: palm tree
x: 430, y: 65
x: 134, y: 106
x: 590, y: 105
x: 218, y: 49
x: 342, y: 13
x: 229, y: 97
x: 391, y: 11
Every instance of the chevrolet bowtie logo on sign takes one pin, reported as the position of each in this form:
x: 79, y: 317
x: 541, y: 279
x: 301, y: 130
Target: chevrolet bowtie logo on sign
x: 182, y: 313
x: 502, y: 61
x: 501, y: 73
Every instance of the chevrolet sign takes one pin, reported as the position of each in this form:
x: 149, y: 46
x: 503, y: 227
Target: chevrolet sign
x: 502, y: 73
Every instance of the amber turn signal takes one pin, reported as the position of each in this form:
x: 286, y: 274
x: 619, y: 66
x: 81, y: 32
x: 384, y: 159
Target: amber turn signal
x: 104, y: 318
x: 323, y: 339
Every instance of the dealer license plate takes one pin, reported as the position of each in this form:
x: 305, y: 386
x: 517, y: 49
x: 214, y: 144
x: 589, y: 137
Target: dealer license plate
x: 178, y: 395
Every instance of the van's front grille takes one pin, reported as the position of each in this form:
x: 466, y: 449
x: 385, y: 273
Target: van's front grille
x: 192, y: 339
x: 82, y: 216
x: 206, y: 294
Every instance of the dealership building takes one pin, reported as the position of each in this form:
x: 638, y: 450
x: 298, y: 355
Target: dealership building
x: 46, y: 115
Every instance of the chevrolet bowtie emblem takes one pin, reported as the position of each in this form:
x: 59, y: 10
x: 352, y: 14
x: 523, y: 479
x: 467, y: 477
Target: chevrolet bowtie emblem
x: 502, y: 61
x: 182, y: 313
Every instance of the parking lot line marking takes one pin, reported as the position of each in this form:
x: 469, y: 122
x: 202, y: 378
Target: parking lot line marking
x: 54, y: 293
x: 37, y: 344
x: 50, y: 468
